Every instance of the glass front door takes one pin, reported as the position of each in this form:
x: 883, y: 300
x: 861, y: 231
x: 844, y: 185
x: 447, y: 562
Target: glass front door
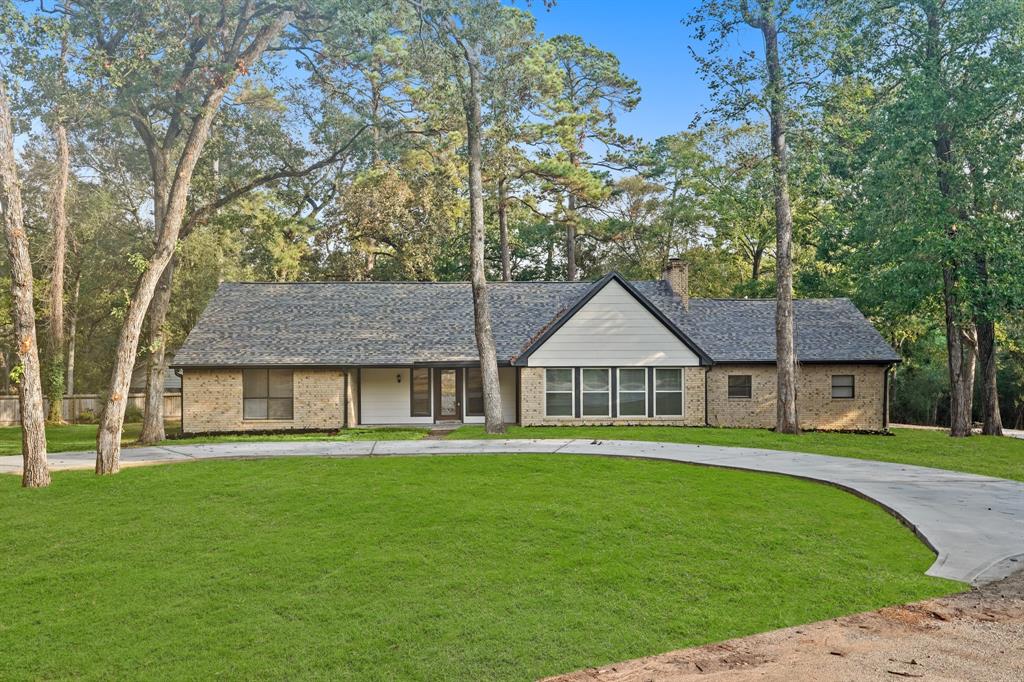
x: 449, y: 403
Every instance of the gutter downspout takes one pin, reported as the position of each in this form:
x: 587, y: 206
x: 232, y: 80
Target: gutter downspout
x: 885, y: 399
x: 344, y: 399
x: 706, y: 372
x: 181, y: 398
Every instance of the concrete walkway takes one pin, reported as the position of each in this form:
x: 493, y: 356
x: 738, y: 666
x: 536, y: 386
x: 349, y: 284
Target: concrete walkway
x: 974, y: 523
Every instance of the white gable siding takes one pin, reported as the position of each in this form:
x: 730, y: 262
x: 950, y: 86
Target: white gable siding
x: 613, y: 330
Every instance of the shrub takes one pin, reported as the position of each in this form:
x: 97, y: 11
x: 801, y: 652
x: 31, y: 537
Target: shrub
x: 88, y: 417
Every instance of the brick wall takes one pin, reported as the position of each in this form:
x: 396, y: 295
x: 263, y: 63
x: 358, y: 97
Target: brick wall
x: 213, y: 401
x: 815, y: 406
x: 531, y: 389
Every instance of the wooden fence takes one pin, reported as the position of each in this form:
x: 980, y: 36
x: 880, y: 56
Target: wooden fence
x: 76, y: 405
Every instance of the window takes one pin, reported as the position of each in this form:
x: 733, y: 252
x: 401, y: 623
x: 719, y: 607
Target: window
x: 633, y: 392
x: 419, y: 392
x: 474, y: 392
x: 596, y: 389
x: 842, y: 385
x: 266, y: 394
x: 740, y: 386
x: 668, y: 392
x: 558, y: 390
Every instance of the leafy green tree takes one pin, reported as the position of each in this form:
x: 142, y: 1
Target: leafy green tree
x: 932, y: 96
x: 35, y: 473
x: 741, y: 85
x: 469, y: 50
x: 579, y: 118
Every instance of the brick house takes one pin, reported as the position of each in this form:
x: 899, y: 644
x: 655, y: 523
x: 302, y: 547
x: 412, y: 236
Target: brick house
x: 336, y: 354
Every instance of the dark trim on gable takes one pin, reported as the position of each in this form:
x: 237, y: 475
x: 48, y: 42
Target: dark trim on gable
x: 600, y: 284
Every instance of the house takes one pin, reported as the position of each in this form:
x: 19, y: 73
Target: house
x: 172, y: 382
x: 335, y: 354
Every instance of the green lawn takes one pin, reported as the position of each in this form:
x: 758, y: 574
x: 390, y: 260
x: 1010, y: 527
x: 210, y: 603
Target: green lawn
x: 986, y: 455
x: 64, y: 438
x: 355, y: 433
x: 71, y: 437
x: 487, y: 567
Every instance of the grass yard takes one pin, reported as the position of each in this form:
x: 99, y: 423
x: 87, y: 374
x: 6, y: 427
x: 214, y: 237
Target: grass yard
x: 488, y: 567
x: 70, y: 437
x: 986, y: 455
x: 355, y: 433
x: 66, y: 438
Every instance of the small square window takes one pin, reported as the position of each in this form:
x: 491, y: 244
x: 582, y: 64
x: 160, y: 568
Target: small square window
x: 740, y: 386
x: 842, y: 386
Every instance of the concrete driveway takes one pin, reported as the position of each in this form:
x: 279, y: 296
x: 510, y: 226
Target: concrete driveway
x: 974, y: 523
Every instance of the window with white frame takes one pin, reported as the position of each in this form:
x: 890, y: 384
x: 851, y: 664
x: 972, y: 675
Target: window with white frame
x: 842, y: 386
x: 668, y: 392
x: 558, y: 392
x: 632, y: 392
x: 596, y: 392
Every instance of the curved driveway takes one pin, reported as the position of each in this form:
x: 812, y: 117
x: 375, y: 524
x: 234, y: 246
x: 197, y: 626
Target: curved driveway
x: 974, y: 523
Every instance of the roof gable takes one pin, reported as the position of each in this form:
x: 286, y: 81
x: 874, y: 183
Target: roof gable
x: 622, y: 322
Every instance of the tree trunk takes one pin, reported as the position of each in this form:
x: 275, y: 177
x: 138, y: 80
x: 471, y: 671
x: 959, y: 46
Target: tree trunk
x: 153, y: 417
x: 571, y: 273
x: 506, y: 252
x: 59, y: 221
x: 785, y: 349
x: 993, y: 422
x: 73, y: 333
x: 108, y: 437
x: 960, y: 356
x: 35, y: 473
x: 755, y: 266
x: 493, y: 420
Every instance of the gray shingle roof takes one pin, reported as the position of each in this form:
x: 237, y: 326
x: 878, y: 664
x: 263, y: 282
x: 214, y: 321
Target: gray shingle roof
x: 743, y: 330
x: 390, y: 323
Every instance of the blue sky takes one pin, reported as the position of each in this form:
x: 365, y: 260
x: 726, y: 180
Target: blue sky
x: 651, y: 41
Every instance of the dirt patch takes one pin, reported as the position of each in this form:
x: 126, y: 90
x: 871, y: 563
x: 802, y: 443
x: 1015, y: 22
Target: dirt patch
x: 978, y: 635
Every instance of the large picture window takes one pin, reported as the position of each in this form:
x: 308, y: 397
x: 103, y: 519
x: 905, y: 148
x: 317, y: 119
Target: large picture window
x: 740, y: 386
x: 668, y: 392
x: 558, y: 392
x: 596, y: 392
x: 842, y: 386
x: 474, y: 392
x: 633, y: 392
x: 267, y: 394
x: 419, y: 389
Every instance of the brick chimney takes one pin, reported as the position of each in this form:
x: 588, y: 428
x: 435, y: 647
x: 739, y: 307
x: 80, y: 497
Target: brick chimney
x: 677, y: 274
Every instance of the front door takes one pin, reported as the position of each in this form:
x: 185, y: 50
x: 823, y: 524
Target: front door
x: 448, y: 394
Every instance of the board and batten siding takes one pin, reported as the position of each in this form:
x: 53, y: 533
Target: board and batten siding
x: 613, y: 329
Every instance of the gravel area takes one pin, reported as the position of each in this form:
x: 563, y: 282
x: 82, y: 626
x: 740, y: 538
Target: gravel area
x: 977, y: 635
